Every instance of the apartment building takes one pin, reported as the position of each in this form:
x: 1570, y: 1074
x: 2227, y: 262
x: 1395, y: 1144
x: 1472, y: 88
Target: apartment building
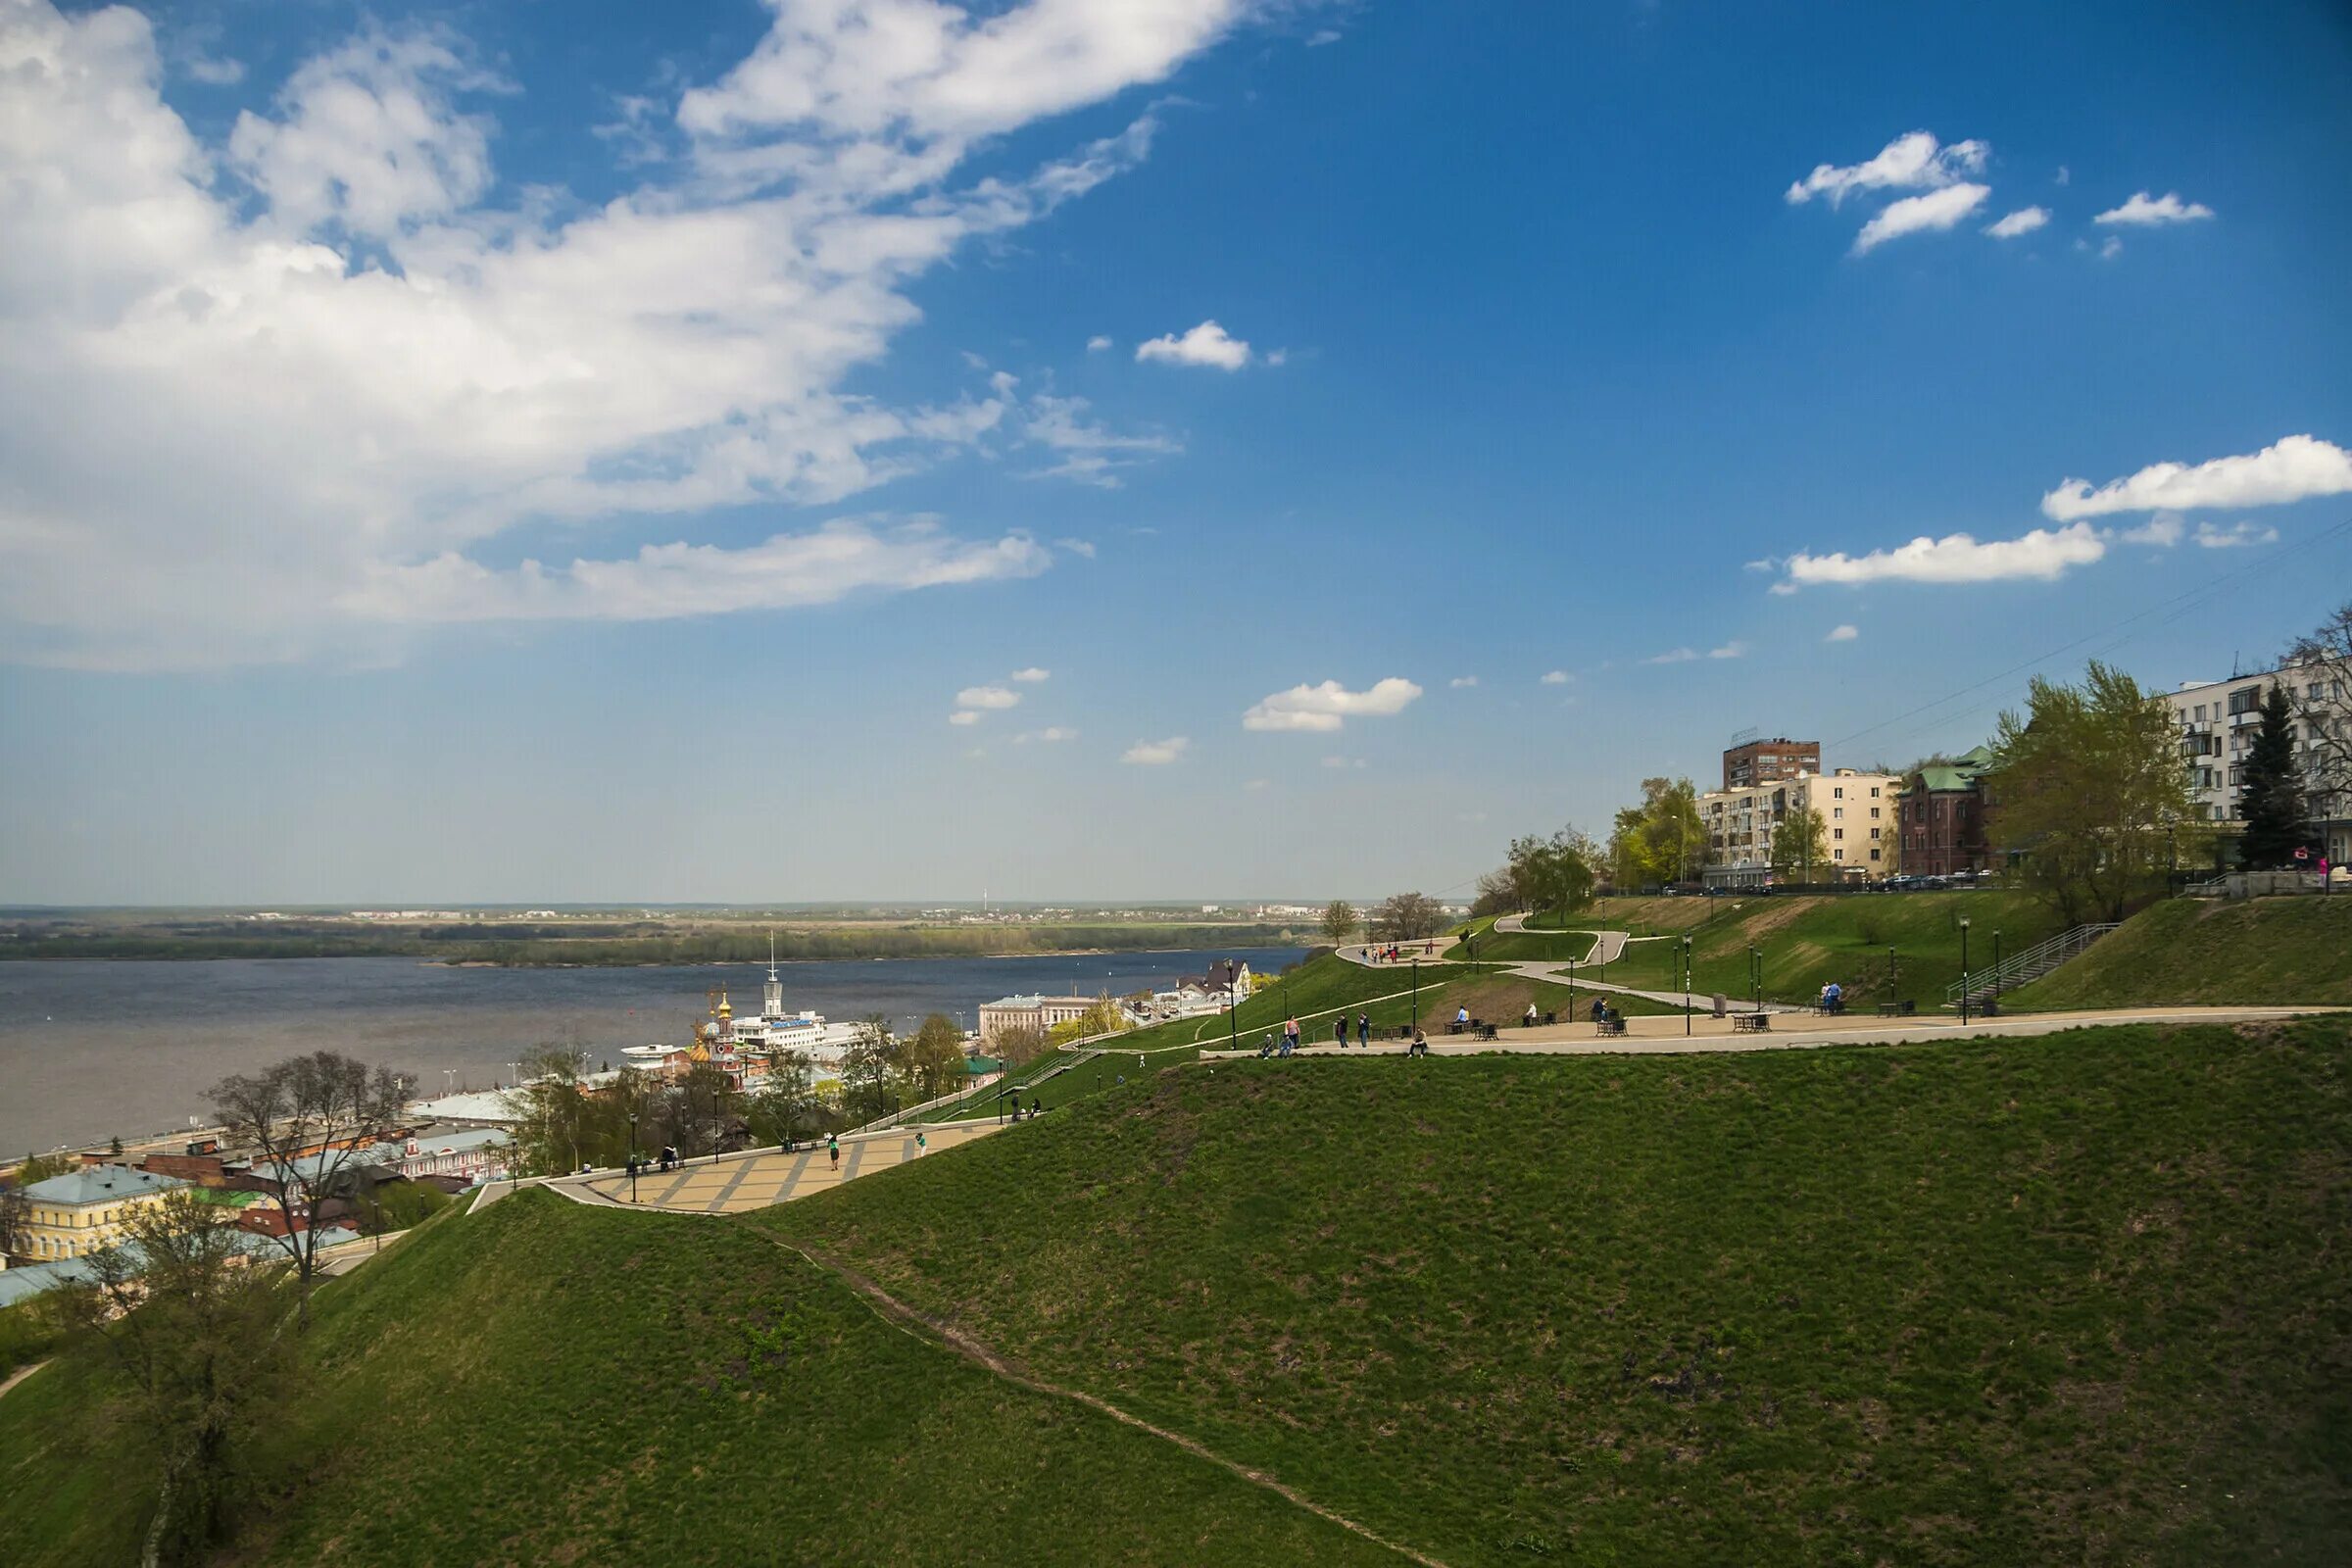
x: 2219, y: 719
x: 1754, y: 762
x: 1857, y: 808
x: 84, y: 1212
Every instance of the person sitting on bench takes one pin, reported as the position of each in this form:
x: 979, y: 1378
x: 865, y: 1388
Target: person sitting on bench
x: 1528, y: 1021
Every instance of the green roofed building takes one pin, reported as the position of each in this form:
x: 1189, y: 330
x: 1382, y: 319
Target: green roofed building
x: 1943, y: 826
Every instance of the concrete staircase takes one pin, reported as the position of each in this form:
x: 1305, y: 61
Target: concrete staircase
x: 2019, y: 967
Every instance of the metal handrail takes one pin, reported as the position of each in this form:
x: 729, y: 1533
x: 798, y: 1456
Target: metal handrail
x: 2031, y: 964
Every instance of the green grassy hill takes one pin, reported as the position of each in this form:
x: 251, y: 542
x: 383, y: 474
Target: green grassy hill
x: 2068, y: 1300
x: 547, y: 1383
x: 2186, y: 950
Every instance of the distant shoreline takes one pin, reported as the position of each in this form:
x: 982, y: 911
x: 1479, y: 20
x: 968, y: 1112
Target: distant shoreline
x: 684, y: 951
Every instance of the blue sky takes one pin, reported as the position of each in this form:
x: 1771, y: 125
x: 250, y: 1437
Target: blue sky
x: 597, y: 450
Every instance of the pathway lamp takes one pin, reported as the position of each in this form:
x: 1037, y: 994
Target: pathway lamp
x: 1416, y: 991
x: 1686, y: 987
x: 1572, y: 985
x: 1755, y: 975
x: 632, y: 1156
x: 1964, y: 969
x: 1232, y: 1003
x: 1996, y: 972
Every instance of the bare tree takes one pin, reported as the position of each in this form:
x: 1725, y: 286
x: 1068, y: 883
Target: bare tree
x: 311, y: 1121
x: 2317, y: 675
x: 1409, y: 916
x: 16, y: 1218
x: 193, y: 1321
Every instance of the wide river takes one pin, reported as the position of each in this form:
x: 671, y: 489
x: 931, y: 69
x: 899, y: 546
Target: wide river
x: 92, y: 1048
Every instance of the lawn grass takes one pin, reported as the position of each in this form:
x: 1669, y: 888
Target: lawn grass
x: 549, y: 1383
x: 2252, y: 951
x: 2068, y: 1300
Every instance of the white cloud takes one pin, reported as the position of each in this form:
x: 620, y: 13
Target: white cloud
x: 1156, y: 754
x: 2295, y: 468
x: 1842, y: 634
x: 1329, y: 705
x: 989, y: 699
x: 1911, y: 162
x: 2162, y: 530
x: 2025, y: 221
x: 1093, y: 455
x: 1555, y: 677
x: 1077, y: 547
x: 1918, y: 214
x: 1052, y: 734
x: 1096, y: 344
x: 1460, y: 681
x: 963, y: 715
x: 2146, y: 212
x: 2044, y: 553
x: 1207, y: 344
x: 1327, y: 35
x: 289, y: 390
x: 1031, y: 675
x: 1729, y: 649
x: 2238, y: 534
x: 1343, y: 762
x: 2063, y: 174
x: 1673, y: 656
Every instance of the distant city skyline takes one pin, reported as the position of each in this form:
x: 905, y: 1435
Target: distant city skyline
x: 734, y: 452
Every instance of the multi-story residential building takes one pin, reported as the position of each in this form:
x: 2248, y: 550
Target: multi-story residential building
x: 2219, y: 719
x: 1753, y: 763
x: 1028, y: 1012
x: 1857, y: 810
x: 84, y: 1212
x: 1942, y: 817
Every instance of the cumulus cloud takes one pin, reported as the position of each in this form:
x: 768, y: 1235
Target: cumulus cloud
x: 1051, y: 734
x: 2144, y: 211
x: 1555, y: 677
x: 1919, y: 215
x: 1090, y: 454
x: 1156, y: 754
x: 1330, y: 705
x: 1031, y: 675
x: 2296, y: 468
x: 963, y: 715
x: 1912, y: 162
x: 1460, y: 681
x: 2161, y: 531
x: 1842, y: 634
x: 2044, y: 553
x: 1729, y: 649
x: 293, y: 387
x: 1207, y: 344
x: 1096, y: 344
x: 2235, y: 535
x: 989, y: 699
x: 2025, y: 221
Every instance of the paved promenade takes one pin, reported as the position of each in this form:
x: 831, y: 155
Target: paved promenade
x: 735, y: 1184
x: 1665, y: 1036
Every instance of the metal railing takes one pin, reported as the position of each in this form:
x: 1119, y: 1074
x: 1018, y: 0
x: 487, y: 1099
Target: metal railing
x: 2020, y: 967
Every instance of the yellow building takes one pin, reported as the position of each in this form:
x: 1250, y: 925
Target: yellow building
x: 83, y: 1211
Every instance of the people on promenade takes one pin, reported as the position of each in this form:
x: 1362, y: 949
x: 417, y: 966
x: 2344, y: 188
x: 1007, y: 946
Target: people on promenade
x: 833, y: 1147
x: 1529, y: 1021
x: 922, y: 1144
x: 1363, y: 1030
x: 1461, y: 1018
x: 1339, y: 1031
x: 1289, y: 1036
x: 1420, y: 1043
x: 1266, y: 1050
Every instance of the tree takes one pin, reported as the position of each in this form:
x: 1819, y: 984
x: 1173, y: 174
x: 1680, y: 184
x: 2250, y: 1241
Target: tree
x: 1409, y: 917
x: 1498, y: 894
x: 191, y: 1319
x: 1019, y: 1046
x: 786, y: 1102
x: 2318, y: 669
x: 935, y: 1056
x: 1800, y: 845
x: 1556, y: 873
x: 2270, y: 796
x: 16, y: 1218
x: 1664, y: 838
x: 40, y: 1167
x: 2086, y: 786
x: 1339, y: 922
x: 313, y: 1122
x: 867, y: 1068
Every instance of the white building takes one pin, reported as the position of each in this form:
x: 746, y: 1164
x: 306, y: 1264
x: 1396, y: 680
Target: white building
x: 1037, y: 1012
x: 2219, y: 719
x: 1857, y: 810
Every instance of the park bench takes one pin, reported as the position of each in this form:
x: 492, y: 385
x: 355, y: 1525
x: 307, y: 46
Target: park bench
x: 1486, y: 1031
x: 1751, y: 1023
x: 1609, y: 1028
x: 1899, y: 1009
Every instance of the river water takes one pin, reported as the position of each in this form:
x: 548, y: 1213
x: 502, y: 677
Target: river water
x: 92, y: 1048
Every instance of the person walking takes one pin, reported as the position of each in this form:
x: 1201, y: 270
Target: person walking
x: 1528, y: 1021
x: 1363, y: 1030
x: 1289, y: 1036
x: 922, y: 1144
x: 833, y: 1147
x: 1339, y: 1031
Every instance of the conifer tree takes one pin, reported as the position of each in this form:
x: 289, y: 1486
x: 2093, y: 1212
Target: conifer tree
x: 2270, y: 796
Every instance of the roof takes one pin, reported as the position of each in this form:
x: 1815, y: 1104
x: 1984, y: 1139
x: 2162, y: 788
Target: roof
x: 459, y: 1143
x: 1957, y: 773
x: 492, y: 1106
x: 979, y: 1066
x: 1040, y: 1001
x: 100, y: 1183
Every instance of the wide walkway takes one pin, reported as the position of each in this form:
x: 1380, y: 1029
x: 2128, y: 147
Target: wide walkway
x: 1666, y: 1037
x: 734, y: 1184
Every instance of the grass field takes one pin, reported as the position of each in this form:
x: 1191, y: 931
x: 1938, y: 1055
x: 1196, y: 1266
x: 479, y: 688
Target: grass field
x: 2070, y: 1299
x: 546, y: 1383
x: 2186, y: 950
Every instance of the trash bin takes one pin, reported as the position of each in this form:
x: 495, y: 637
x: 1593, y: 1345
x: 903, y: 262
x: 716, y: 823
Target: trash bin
x: 1719, y: 1004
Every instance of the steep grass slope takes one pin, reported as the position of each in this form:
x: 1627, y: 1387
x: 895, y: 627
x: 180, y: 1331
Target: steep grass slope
x: 545, y: 1383
x: 2079, y: 1299
x: 2184, y: 950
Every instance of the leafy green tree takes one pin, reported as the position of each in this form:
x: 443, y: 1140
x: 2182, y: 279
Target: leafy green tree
x: 2270, y: 796
x: 867, y: 1068
x: 2086, y: 786
x: 1664, y: 838
x: 1800, y: 845
x: 40, y: 1167
x: 786, y: 1107
x: 934, y: 1058
x: 1409, y: 917
x: 401, y: 1205
x: 190, y: 1322
x: 1557, y: 874
x: 1339, y: 922
x: 1019, y: 1046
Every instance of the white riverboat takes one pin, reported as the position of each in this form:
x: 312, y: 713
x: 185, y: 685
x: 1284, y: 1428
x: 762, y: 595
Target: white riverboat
x: 745, y: 1046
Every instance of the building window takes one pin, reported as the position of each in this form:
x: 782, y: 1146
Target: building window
x: 1837, y: 832
x: 1837, y: 793
x: 1874, y: 855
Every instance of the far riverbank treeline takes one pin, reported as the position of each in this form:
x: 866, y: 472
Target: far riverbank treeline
x: 618, y: 944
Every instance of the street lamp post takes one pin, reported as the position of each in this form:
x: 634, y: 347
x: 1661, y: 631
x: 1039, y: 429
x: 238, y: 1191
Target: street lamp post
x: 1232, y: 1003
x: 1686, y: 987
x: 1416, y: 991
x: 1755, y: 975
x: 632, y: 1156
x: 1996, y: 972
x: 1572, y: 985
x: 1964, y: 969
